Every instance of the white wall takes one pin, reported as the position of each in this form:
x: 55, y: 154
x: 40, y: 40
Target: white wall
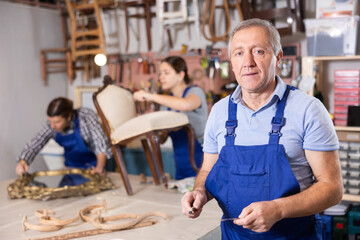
x: 23, y: 97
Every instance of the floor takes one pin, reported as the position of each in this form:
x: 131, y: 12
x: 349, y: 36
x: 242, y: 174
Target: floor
x: 147, y: 198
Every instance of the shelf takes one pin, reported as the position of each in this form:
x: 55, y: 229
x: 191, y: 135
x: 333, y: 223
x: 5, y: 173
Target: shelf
x: 334, y: 58
x: 349, y: 129
x: 313, y: 67
x: 351, y: 198
x: 347, y: 134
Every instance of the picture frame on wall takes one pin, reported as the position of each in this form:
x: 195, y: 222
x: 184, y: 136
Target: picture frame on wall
x: 84, y: 97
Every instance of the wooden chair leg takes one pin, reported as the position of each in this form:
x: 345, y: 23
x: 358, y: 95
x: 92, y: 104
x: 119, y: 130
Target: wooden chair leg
x: 155, y: 145
x: 43, y: 68
x: 169, y: 38
x: 87, y: 68
x: 150, y: 160
x: 148, y: 25
x: 191, y: 141
x: 69, y: 68
x: 122, y: 168
x: 126, y: 27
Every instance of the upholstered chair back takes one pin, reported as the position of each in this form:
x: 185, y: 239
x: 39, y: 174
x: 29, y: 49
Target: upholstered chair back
x: 117, y: 104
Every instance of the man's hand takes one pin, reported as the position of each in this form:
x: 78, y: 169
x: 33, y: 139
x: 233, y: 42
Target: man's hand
x: 22, y: 168
x: 193, y: 202
x: 100, y: 164
x: 98, y: 170
x: 259, y: 216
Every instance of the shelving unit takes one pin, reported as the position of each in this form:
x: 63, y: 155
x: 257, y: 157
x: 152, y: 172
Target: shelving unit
x: 349, y: 135
x: 309, y: 64
x: 345, y: 134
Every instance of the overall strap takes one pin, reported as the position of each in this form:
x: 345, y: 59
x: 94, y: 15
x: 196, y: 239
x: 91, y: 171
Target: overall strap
x: 231, y: 123
x: 278, y: 121
x: 185, y: 91
x: 183, y: 96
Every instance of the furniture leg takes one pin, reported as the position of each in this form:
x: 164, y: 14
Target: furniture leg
x: 69, y: 67
x: 148, y: 24
x: 191, y: 141
x: 122, y: 168
x: 150, y: 160
x: 169, y: 38
x: 43, y: 67
x: 127, y: 27
x: 155, y: 145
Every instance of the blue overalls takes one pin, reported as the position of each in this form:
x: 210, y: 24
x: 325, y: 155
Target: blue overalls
x: 77, y: 154
x: 181, y: 151
x: 246, y: 174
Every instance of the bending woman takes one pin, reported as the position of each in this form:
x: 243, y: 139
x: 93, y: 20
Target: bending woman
x: 185, y: 98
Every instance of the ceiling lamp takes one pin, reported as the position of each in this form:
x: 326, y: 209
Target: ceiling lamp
x: 100, y: 59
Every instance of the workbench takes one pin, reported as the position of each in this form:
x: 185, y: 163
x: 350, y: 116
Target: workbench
x: 147, y: 198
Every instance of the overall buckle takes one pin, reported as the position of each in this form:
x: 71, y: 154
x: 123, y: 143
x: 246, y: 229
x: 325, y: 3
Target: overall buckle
x: 277, y: 123
x: 230, y: 126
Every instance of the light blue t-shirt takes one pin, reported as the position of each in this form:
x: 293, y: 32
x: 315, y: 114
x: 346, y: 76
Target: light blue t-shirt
x: 198, y: 116
x: 308, y: 126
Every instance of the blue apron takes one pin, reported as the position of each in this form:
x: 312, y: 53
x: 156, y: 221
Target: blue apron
x: 246, y: 174
x: 77, y: 154
x: 181, y: 152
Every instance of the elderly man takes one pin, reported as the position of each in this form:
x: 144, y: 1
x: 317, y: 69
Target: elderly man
x: 270, y: 151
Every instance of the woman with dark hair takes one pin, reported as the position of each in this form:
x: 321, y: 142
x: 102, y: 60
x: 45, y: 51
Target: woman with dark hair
x: 185, y: 98
x: 78, y: 131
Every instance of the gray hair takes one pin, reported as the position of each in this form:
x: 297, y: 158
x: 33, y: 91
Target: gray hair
x: 274, y: 36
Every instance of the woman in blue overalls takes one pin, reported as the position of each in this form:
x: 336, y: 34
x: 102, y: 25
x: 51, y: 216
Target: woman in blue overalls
x: 254, y: 184
x: 190, y: 100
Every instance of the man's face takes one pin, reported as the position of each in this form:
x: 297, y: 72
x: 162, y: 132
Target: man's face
x: 58, y: 123
x: 253, y: 60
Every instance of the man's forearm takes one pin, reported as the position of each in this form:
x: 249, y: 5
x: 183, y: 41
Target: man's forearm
x: 200, y: 183
x: 315, y: 199
x: 101, y: 160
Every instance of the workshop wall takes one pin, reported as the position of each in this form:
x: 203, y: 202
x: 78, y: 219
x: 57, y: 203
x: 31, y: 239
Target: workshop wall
x: 115, y: 36
x: 23, y: 97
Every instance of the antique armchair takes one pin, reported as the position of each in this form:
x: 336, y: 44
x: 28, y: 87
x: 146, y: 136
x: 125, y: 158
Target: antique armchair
x: 117, y: 110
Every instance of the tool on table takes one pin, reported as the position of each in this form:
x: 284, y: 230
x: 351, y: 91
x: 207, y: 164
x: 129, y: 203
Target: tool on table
x: 228, y: 219
x: 193, y: 210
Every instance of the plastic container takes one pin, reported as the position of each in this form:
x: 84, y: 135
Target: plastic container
x: 332, y: 36
x: 335, y: 8
x: 352, y: 73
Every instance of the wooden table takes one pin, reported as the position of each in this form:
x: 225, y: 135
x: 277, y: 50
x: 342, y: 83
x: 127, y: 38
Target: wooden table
x: 146, y: 198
